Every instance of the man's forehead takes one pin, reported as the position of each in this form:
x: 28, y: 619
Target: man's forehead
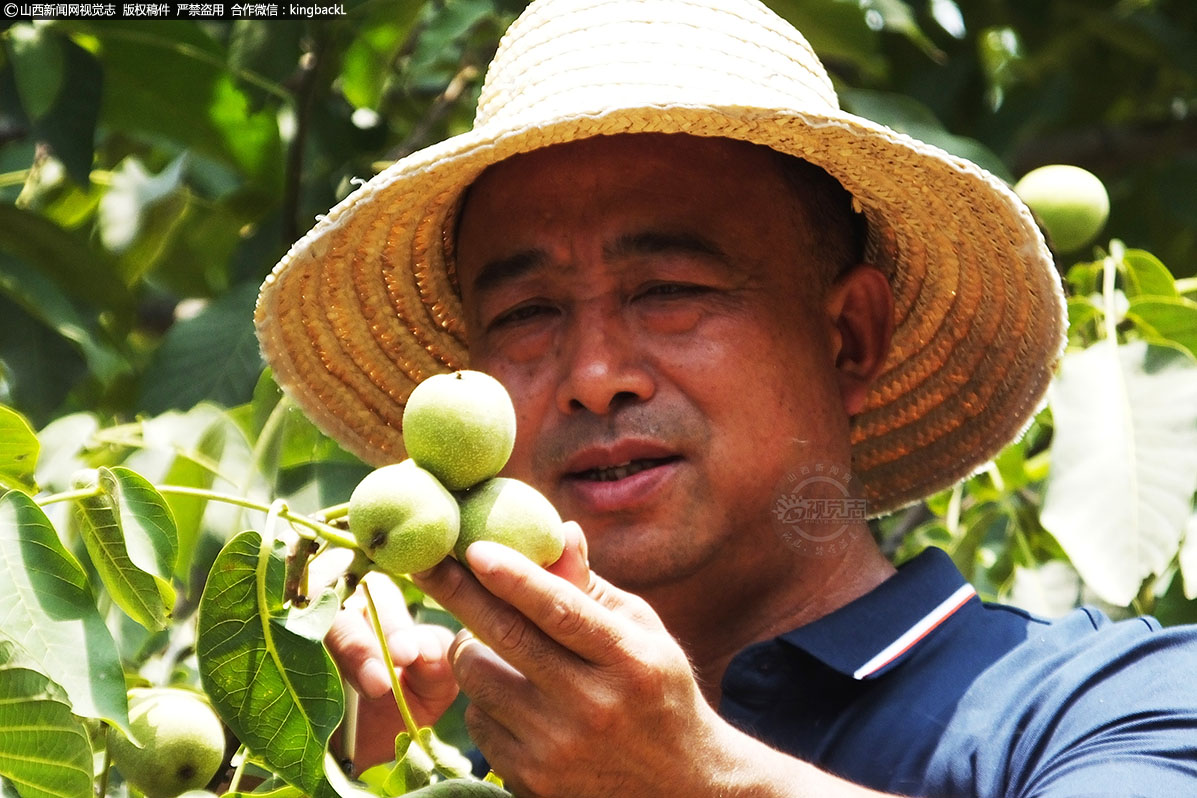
x: 676, y: 153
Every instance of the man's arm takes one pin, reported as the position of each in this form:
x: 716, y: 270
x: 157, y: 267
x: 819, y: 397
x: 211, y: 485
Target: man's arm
x: 577, y: 689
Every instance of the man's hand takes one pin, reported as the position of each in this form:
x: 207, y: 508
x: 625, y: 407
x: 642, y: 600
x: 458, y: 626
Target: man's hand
x: 576, y: 687
x: 419, y: 652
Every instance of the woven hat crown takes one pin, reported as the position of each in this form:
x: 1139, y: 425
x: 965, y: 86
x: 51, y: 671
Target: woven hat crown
x: 364, y: 306
x: 564, y: 57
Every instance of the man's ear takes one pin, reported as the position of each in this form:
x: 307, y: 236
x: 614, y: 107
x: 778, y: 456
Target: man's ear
x: 860, y: 307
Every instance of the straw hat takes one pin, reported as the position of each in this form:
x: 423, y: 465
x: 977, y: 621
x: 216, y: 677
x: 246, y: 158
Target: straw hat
x: 364, y: 306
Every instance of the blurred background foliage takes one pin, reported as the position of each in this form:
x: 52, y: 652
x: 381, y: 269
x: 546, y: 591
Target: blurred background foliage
x: 151, y: 174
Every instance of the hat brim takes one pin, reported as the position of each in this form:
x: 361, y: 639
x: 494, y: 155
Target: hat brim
x: 363, y: 307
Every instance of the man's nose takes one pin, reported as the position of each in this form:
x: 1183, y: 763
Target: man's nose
x: 603, y: 365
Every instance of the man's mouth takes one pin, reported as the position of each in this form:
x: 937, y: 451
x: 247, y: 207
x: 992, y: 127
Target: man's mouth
x: 622, y: 470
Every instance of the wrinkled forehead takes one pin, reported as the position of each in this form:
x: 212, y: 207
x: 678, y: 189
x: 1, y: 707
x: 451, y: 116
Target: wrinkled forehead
x: 710, y: 166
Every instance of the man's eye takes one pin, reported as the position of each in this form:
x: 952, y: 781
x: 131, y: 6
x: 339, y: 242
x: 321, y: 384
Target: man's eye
x: 673, y: 289
x: 520, y: 313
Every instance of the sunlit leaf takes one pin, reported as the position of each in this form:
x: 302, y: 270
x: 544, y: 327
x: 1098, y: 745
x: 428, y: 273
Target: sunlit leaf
x: 837, y: 30
x: 193, y: 468
x: 1143, y: 274
x: 79, y: 270
x: 313, y: 621
x: 133, y: 544
x: 278, y: 691
x: 1188, y: 557
x: 1167, y: 318
x: 213, y: 356
x: 37, y: 65
x: 999, y: 52
x: 1124, y: 462
x: 18, y: 452
x: 38, y: 368
x: 369, y: 59
x: 907, y: 115
x: 460, y: 788
x: 49, y: 609
x: 47, y: 301
x: 44, y: 749
x: 1050, y: 590
x: 1081, y: 312
x: 898, y: 16
x: 69, y: 126
x: 175, y: 59
x: 128, y: 200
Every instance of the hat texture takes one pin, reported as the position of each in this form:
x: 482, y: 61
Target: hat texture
x: 364, y: 306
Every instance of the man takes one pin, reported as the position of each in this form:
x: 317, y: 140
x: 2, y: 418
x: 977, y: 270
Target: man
x: 713, y: 373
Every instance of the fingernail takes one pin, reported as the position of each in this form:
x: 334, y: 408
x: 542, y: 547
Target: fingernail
x: 486, y: 556
x: 430, y: 650
x: 375, y: 679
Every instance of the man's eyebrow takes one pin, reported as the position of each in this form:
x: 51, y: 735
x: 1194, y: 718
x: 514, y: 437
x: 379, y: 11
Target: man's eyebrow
x: 501, y: 270
x: 659, y: 242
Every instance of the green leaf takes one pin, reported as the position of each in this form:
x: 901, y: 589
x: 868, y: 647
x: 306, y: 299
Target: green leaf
x: 133, y: 543
x: 18, y: 452
x: 907, y: 115
x: 1051, y: 589
x: 65, y: 257
x: 263, y: 791
x: 132, y: 194
x: 1166, y: 318
x: 1081, y: 313
x: 897, y: 16
x: 1124, y: 462
x: 38, y: 368
x: 193, y: 469
x: 44, y: 749
x: 837, y: 31
x: 313, y: 621
x: 69, y: 127
x: 1143, y: 274
x: 460, y: 788
x: 49, y: 609
x: 279, y: 692
x: 341, y: 784
x: 213, y: 356
x: 37, y: 65
x: 178, y: 59
x: 46, y: 301
x: 369, y: 59
x: 1188, y: 556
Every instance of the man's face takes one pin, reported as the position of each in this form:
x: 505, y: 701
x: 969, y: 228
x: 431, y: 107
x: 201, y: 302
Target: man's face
x: 650, y: 303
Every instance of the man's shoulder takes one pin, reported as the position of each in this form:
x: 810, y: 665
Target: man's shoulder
x: 1083, y: 702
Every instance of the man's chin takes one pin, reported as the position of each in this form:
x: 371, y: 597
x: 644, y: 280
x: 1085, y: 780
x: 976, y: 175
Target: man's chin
x: 638, y: 557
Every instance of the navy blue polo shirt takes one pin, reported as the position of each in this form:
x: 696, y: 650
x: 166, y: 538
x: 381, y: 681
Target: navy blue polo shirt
x: 919, y: 688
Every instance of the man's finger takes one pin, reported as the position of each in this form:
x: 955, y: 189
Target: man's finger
x: 562, y: 611
x: 491, y: 683
x: 354, y: 647
x: 353, y: 643
x: 496, y: 623
x: 573, y: 566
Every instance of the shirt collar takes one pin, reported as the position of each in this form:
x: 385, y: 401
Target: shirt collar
x: 873, y: 633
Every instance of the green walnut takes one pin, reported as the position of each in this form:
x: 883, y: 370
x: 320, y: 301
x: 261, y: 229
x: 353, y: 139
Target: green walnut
x: 403, y: 518
x: 181, y: 742
x: 1071, y: 203
x: 515, y: 514
x: 460, y: 426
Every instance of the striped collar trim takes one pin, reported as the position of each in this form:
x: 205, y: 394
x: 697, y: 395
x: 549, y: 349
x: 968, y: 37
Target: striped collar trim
x: 907, y: 640
x: 873, y: 634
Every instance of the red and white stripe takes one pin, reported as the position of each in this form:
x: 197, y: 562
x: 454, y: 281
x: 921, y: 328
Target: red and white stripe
x: 917, y: 632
